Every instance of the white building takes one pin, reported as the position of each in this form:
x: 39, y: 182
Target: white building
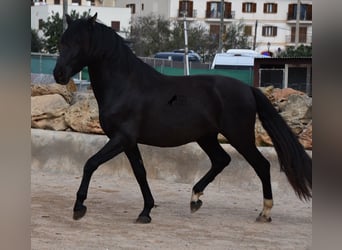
x: 115, y: 17
x: 270, y: 23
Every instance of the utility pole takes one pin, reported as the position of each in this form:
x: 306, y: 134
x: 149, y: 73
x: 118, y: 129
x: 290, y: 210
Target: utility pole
x: 255, y: 34
x: 65, y: 11
x: 221, y: 26
x: 186, y: 51
x: 297, y: 24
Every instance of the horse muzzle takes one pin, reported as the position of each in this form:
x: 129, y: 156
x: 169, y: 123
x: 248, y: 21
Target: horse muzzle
x: 61, y: 75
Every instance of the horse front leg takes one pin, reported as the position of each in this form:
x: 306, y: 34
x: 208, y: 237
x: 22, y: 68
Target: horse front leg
x: 111, y: 149
x: 134, y: 157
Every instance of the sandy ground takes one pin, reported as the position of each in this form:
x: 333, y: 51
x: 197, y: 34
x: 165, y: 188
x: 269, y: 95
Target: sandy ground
x: 225, y: 221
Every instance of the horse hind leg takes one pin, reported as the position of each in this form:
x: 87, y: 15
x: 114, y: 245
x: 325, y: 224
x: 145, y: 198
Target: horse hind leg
x: 219, y: 160
x: 262, y: 168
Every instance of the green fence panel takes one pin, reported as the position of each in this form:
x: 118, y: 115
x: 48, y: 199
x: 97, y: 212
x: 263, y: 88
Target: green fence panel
x: 44, y: 64
x: 245, y: 76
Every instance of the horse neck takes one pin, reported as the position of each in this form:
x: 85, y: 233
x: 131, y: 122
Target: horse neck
x: 113, y: 61
x: 115, y: 67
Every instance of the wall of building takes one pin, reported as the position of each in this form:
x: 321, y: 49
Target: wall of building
x: 104, y: 14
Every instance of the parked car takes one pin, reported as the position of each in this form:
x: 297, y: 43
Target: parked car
x: 178, y: 55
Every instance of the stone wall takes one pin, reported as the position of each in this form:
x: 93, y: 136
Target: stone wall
x: 63, y: 108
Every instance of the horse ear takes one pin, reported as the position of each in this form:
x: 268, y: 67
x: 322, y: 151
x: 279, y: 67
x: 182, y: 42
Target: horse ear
x: 68, y: 19
x: 92, y: 20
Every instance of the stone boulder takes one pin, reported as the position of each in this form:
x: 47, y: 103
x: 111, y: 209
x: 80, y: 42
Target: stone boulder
x: 47, y: 112
x: 83, y: 115
x: 296, y: 109
x: 47, y: 89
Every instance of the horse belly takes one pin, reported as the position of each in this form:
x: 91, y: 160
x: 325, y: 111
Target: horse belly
x: 174, y: 132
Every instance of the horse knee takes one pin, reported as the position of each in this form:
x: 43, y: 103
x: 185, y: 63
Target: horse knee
x: 221, y: 162
x: 90, y: 166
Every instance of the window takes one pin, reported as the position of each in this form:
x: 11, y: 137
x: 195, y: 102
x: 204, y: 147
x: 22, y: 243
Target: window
x: 305, y: 12
x: 302, y: 34
x: 269, y: 31
x: 76, y: 2
x: 270, y: 8
x: 116, y: 25
x: 248, y: 7
x: 185, y: 6
x: 57, y: 2
x: 214, y: 31
x: 40, y: 24
x: 132, y: 6
x: 248, y: 30
x: 214, y: 10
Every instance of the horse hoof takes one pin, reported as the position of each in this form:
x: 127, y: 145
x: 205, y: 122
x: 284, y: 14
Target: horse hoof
x: 195, y: 205
x: 143, y: 219
x: 263, y: 218
x: 79, y: 213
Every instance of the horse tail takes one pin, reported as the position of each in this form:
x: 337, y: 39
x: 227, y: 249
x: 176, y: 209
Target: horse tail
x: 293, y: 159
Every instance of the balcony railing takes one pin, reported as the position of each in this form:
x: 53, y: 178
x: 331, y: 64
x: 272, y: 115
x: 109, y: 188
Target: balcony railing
x: 293, y: 17
x: 192, y: 14
x: 227, y: 15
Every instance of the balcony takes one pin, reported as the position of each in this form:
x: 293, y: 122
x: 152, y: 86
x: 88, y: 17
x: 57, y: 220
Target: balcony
x: 304, y: 19
x: 192, y: 14
x: 216, y: 17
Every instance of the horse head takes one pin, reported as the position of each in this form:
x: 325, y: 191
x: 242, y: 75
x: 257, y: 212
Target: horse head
x: 73, y: 48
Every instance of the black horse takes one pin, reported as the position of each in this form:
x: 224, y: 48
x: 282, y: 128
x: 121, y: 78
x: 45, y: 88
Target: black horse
x: 139, y: 105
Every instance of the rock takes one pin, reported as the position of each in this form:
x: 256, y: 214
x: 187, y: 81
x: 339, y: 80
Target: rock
x: 296, y: 109
x: 281, y: 96
x: 305, y: 136
x: 83, y: 115
x: 47, y: 112
x: 53, y: 88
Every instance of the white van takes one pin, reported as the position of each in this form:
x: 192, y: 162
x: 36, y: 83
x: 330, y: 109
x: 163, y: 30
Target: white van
x: 235, y: 59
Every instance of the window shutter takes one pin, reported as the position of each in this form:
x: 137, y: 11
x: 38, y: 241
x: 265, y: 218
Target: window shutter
x: 275, y: 8
x: 275, y: 30
x: 265, y: 7
x: 309, y: 12
x: 243, y: 7
x: 227, y: 10
x: 291, y: 11
x: 253, y: 7
x: 190, y: 9
x: 208, y: 10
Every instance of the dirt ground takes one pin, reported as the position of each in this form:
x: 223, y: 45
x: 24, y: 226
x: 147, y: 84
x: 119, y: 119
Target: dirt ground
x: 225, y: 221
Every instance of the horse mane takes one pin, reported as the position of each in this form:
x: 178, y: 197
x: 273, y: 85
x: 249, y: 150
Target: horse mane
x: 115, y: 46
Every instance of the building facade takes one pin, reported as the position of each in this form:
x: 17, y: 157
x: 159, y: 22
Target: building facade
x: 115, y: 17
x: 270, y: 24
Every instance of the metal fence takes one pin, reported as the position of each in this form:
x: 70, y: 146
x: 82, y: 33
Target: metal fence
x: 42, y: 66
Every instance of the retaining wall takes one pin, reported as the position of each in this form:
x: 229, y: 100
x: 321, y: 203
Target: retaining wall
x: 66, y: 152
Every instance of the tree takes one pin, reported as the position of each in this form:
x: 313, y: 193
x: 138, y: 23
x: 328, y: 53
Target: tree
x: 149, y: 34
x: 53, y: 29
x: 152, y: 34
x: 301, y: 51
x: 235, y: 37
x: 36, y: 41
